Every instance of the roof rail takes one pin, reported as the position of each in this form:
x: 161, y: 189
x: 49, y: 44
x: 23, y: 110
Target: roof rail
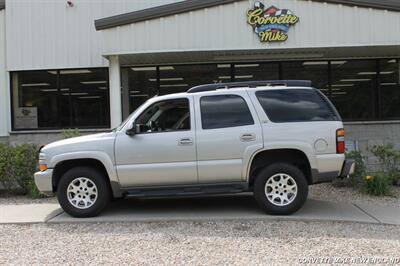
x: 250, y: 84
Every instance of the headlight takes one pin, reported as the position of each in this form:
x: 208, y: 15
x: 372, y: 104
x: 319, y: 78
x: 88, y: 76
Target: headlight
x: 42, y: 162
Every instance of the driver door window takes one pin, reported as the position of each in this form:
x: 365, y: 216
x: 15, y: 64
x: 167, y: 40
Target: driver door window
x: 164, y: 116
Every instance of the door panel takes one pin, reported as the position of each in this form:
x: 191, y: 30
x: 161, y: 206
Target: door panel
x: 223, y: 153
x: 158, y: 158
x: 220, y: 170
x: 160, y: 174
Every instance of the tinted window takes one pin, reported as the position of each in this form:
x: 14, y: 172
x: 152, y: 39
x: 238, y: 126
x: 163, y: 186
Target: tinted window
x: 224, y: 111
x: 295, y: 105
x: 170, y: 115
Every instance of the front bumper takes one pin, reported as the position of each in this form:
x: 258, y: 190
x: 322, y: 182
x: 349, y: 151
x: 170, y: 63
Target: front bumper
x: 348, y: 168
x: 43, y: 181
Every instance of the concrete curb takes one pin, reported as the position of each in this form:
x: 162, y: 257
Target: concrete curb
x: 28, y: 213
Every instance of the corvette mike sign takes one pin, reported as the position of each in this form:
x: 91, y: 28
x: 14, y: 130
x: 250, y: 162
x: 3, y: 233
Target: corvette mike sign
x: 271, y: 24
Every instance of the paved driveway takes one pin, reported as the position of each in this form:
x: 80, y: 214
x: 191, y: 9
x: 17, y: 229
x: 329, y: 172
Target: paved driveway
x: 237, y: 207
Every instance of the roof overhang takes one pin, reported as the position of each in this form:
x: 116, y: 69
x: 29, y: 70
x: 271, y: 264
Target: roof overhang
x: 192, y: 5
x: 243, y: 56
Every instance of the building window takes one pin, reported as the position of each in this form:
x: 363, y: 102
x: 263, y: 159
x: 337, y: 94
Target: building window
x: 389, y: 79
x: 360, y: 89
x: 354, y: 88
x: 35, y: 100
x: 256, y: 71
x: 138, y: 85
x: 183, y: 77
x: 316, y: 71
x: 55, y: 99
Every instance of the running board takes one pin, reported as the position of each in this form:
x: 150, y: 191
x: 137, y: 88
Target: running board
x: 178, y: 191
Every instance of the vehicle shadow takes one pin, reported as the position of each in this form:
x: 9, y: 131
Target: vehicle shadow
x: 209, y: 204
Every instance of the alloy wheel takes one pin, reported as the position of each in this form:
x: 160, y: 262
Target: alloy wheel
x: 82, y: 193
x: 281, y: 189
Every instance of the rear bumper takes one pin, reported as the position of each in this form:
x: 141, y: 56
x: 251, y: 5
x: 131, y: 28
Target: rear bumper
x: 348, y: 168
x: 43, y: 181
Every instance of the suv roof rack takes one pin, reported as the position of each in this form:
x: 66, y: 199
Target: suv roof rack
x: 250, y: 84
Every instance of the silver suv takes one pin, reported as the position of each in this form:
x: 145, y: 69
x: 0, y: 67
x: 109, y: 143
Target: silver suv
x: 273, y: 138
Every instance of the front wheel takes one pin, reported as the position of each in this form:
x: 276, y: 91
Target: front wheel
x: 280, y: 189
x: 83, y: 192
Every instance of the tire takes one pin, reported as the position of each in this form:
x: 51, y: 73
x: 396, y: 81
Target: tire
x: 283, y: 180
x: 83, y: 192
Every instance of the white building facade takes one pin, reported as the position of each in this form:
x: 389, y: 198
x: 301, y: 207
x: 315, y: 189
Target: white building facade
x: 88, y: 64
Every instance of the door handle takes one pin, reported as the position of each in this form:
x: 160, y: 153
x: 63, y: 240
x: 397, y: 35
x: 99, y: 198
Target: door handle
x: 247, y: 137
x: 185, y: 141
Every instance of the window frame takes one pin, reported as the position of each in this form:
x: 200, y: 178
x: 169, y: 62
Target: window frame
x: 222, y: 95
x: 166, y: 100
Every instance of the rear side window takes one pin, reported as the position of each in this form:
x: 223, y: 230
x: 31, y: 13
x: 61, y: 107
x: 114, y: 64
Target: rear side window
x: 222, y: 111
x: 296, y: 105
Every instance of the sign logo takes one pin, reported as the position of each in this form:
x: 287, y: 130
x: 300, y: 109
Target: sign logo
x: 26, y: 112
x: 271, y: 24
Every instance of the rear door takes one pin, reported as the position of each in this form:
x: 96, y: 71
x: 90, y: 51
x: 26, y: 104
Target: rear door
x: 228, y: 131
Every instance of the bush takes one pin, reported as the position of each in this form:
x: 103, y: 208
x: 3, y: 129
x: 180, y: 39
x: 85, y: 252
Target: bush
x: 6, y: 168
x: 25, y: 160
x: 378, y: 185
x: 70, y: 133
x: 17, y: 166
x: 389, y: 159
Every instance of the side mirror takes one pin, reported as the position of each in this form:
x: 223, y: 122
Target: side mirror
x: 132, y: 131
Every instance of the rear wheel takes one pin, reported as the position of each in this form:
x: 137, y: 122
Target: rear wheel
x: 280, y: 189
x: 83, y: 192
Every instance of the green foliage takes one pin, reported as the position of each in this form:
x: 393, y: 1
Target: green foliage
x: 24, y: 159
x: 33, y: 191
x: 17, y: 166
x: 70, y: 133
x: 389, y: 159
x: 6, y: 167
x: 355, y: 180
x: 378, y: 185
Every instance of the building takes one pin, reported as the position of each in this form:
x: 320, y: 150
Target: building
x: 88, y: 64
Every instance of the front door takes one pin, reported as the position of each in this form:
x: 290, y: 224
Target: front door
x: 163, y: 151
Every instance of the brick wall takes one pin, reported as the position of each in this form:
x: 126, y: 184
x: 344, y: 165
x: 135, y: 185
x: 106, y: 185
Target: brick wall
x: 368, y: 134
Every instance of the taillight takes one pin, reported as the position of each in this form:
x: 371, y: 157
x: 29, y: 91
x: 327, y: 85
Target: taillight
x: 340, y: 146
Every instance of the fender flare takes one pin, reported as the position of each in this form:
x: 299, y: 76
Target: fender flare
x: 102, y: 157
x: 305, y: 148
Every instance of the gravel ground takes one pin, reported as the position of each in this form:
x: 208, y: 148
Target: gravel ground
x: 191, y: 243
x: 320, y: 191
x: 345, y: 194
x: 204, y: 243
